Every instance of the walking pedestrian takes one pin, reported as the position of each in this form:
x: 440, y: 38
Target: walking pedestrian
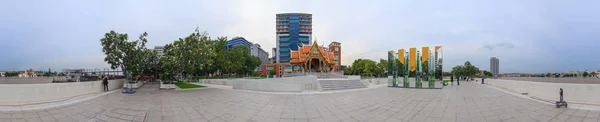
x: 105, y: 83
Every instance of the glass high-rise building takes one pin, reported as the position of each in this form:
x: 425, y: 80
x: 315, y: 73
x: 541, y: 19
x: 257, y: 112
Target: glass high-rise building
x: 293, y: 30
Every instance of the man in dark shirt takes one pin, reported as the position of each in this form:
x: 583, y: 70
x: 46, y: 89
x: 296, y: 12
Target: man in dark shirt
x: 561, y: 94
x: 452, y: 80
x: 105, y: 83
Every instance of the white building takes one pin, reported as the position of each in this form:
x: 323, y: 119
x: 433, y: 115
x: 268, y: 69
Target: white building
x: 257, y: 51
x: 159, y: 50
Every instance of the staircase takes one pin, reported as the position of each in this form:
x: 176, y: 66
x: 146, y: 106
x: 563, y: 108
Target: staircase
x: 327, y: 75
x: 340, y: 84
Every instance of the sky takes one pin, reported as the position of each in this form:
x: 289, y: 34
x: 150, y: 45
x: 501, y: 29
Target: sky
x: 532, y: 36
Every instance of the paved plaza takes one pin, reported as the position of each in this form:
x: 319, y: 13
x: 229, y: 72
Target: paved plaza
x: 467, y: 102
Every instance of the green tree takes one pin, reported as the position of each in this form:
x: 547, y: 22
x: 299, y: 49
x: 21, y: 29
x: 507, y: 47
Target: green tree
x: 251, y: 63
x: 272, y: 72
x: 236, y: 59
x: 458, y: 70
x: 469, y: 69
x: 465, y: 70
x: 363, y: 67
x: 382, y: 67
x: 585, y: 74
x: 121, y: 53
x: 219, y: 48
x: 488, y: 74
x: 192, y: 55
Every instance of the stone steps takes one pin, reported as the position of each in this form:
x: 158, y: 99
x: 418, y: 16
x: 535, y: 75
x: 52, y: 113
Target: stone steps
x: 340, y: 84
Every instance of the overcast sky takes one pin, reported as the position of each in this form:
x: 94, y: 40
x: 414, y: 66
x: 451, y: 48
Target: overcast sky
x: 526, y: 35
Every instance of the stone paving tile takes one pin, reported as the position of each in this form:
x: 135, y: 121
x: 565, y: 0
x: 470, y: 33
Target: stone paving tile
x: 466, y: 103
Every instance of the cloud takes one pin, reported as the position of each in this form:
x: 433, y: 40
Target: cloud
x: 506, y: 45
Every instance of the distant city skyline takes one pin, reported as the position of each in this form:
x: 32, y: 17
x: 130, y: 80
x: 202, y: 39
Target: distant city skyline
x: 535, y: 36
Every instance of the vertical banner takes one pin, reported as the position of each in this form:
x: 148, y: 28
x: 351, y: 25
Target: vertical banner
x: 424, y: 54
x: 412, y: 59
x: 401, y: 55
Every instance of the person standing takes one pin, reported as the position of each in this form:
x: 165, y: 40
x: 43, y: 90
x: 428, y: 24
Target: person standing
x: 561, y: 95
x: 458, y: 80
x: 482, y: 79
x: 105, y: 83
x: 452, y: 80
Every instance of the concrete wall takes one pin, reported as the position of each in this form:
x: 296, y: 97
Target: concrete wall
x: 266, y: 86
x: 399, y: 80
x: 581, y: 93
x: 226, y: 82
x: 556, y: 80
x: 286, y: 84
x: 18, y: 94
x: 352, y: 77
x: 28, y: 80
x: 374, y: 81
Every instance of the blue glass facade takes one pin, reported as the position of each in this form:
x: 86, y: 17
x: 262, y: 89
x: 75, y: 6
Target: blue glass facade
x: 293, y: 30
x: 294, y: 34
x: 238, y: 41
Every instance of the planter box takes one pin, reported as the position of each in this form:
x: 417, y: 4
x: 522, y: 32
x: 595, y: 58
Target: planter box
x: 133, y: 85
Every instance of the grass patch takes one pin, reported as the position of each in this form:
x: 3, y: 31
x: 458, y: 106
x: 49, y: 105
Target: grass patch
x: 183, y: 85
x: 446, y: 80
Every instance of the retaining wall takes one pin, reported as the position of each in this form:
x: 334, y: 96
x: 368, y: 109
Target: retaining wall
x: 374, y: 81
x: 19, y: 94
x: 581, y: 93
x: 556, y: 80
x: 286, y: 84
x: 226, y: 82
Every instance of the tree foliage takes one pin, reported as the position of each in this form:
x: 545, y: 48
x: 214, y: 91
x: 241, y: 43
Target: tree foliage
x: 129, y: 56
x: 195, y: 55
x: 366, y: 67
x: 199, y: 55
x: 465, y: 70
x: 488, y: 74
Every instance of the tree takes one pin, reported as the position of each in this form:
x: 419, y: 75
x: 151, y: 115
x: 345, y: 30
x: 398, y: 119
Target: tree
x: 363, y: 67
x: 251, y: 63
x: 585, y: 74
x: 487, y: 74
x: 192, y: 55
x: 465, y: 70
x: 236, y: 59
x: 382, y: 67
x: 470, y: 70
x: 149, y: 62
x: 120, y: 53
x: 272, y: 72
x: 458, y: 70
x: 220, y: 54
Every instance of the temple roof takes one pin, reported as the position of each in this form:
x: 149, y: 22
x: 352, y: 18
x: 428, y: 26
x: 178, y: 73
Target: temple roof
x: 304, y: 53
